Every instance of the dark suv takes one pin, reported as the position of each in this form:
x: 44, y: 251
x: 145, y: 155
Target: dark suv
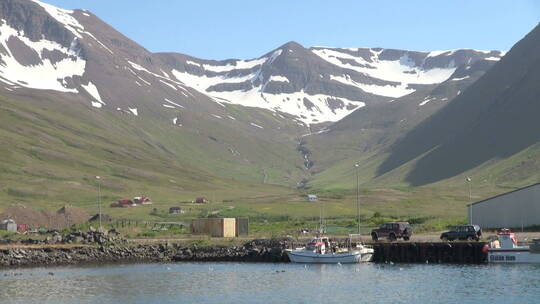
x: 392, y: 231
x: 464, y: 232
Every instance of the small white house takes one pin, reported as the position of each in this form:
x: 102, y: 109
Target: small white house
x: 8, y: 225
x: 312, y: 198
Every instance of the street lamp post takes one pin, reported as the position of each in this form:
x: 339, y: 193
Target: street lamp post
x: 469, y: 180
x: 98, y: 178
x: 357, y: 197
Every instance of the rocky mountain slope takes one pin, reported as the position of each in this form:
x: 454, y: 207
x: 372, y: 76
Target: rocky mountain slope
x: 493, y: 120
x: 485, y: 129
x: 366, y: 136
x: 82, y: 55
x: 322, y: 84
x: 74, y: 90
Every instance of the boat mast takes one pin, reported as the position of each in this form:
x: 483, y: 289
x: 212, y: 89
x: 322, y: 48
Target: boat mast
x: 357, y: 197
x: 320, y: 217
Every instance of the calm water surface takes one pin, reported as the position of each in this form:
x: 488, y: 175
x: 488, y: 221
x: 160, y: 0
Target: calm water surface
x: 272, y: 283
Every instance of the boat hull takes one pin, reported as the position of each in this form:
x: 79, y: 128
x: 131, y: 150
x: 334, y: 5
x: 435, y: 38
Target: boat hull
x: 512, y: 256
x: 341, y: 258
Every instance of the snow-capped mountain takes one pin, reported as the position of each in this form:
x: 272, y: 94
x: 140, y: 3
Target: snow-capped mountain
x: 73, y: 52
x: 77, y: 95
x: 400, y: 72
x: 322, y: 84
x: 494, y: 123
x: 30, y: 60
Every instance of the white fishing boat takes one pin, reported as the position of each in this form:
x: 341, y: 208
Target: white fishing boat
x: 320, y: 251
x: 505, y: 249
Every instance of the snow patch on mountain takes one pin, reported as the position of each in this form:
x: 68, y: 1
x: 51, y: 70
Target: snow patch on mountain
x: 93, y: 91
x: 138, y: 67
x: 99, y: 42
x: 203, y: 82
x: 256, y: 125
x: 173, y: 103
x: 386, y: 90
x: 167, y: 80
x: 278, y: 78
x: 134, y: 111
x: 439, y: 53
x: 146, y: 82
x: 402, y: 70
x: 63, y: 16
x: 426, y: 100
x: 459, y: 78
x: 192, y: 63
x: 237, y: 65
x: 168, y: 84
x: 309, y: 108
x: 44, y: 75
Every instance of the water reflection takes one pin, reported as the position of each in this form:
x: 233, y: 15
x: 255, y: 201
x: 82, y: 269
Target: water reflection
x: 272, y: 283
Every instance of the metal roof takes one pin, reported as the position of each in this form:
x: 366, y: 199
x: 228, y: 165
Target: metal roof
x: 503, y: 194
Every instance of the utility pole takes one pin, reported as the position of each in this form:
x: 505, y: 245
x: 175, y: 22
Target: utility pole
x: 357, y: 197
x: 469, y: 180
x: 98, y: 178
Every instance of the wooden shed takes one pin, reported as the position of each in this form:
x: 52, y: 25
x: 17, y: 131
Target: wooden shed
x: 216, y: 227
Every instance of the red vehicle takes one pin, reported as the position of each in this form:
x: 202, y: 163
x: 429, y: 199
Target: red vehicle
x: 392, y: 231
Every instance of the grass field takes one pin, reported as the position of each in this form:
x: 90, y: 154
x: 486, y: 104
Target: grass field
x: 278, y: 211
x: 51, y: 153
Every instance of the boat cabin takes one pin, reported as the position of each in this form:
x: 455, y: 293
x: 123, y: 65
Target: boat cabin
x: 506, y: 239
x: 319, y: 245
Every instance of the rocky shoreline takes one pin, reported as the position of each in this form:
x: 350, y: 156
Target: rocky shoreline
x: 105, y: 251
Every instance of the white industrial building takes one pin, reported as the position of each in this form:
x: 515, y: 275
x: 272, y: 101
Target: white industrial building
x: 515, y: 209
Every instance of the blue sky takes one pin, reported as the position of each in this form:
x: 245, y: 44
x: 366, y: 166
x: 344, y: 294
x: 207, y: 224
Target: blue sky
x: 246, y: 29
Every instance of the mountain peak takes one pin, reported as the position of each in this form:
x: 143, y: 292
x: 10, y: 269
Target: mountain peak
x: 292, y: 46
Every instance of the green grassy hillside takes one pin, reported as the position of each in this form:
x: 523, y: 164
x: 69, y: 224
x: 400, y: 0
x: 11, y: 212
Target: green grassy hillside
x: 52, y: 150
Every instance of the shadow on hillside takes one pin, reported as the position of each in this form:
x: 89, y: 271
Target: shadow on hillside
x: 496, y: 117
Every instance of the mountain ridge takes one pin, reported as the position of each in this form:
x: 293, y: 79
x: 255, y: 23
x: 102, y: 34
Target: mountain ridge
x: 290, y: 79
x: 263, y: 118
x: 501, y: 119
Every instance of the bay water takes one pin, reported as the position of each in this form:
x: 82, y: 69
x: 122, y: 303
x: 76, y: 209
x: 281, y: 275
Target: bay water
x: 272, y: 283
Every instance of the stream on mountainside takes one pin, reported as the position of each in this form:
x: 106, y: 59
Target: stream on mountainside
x: 305, y: 154
x: 308, y: 163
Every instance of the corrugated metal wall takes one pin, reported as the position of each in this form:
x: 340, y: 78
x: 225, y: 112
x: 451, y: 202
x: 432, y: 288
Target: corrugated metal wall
x: 516, y: 209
